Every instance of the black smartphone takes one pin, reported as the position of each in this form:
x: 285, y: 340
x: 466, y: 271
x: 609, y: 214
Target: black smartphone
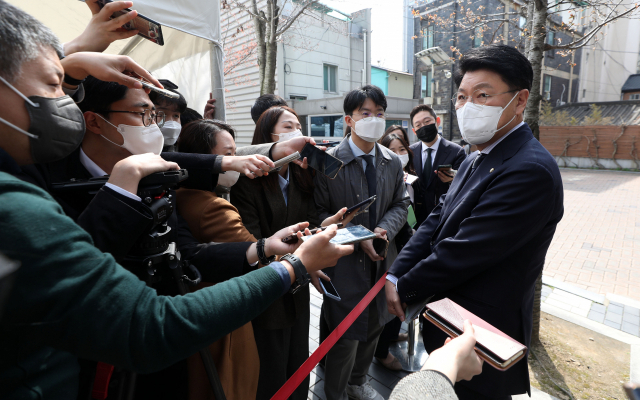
x: 329, y: 144
x: 146, y: 27
x: 330, y: 290
x: 360, y: 207
x: 445, y: 167
x: 321, y: 161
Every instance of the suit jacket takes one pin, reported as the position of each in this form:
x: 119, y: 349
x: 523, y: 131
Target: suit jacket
x: 485, y: 245
x: 264, y: 212
x: 355, y: 274
x: 427, y: 196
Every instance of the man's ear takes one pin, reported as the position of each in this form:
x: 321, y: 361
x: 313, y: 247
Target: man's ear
x: 522, y: 99
x: 349, y: 121
x: 92, y: 122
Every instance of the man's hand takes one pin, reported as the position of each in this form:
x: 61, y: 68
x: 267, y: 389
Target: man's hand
x: 393, y: 301
x: 252, y: 166
x: 102, y: 30
x: 315, y: 280
x: 367, y: 245
x: 318, y: 253
x: 274, y: 245
x: 108, y: 68
x: 127, y: 173
x: 446, y: 176
x: 209, y: 109
x: 457, y: 359
x: 338, y: 218
x: 288, y: 147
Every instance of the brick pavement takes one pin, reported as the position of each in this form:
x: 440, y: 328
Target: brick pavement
x: 597, y: 244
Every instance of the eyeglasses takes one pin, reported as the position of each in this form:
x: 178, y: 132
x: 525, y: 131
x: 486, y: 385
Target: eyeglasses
x: 368, y: 114
x: 478, y: 97
x: 148, y: 116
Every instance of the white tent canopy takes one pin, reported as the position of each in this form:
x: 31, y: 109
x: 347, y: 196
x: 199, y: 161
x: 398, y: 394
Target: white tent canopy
x: 186, y: 56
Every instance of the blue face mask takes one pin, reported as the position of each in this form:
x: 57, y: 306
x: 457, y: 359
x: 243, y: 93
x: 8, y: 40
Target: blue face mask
x: 56, y: 126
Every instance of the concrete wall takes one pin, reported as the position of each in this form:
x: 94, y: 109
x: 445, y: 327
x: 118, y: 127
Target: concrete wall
x: 400, y: 85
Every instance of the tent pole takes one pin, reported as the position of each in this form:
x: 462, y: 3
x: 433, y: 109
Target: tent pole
x: 217, y: 80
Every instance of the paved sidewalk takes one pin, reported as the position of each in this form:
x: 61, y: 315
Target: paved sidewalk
x: 597, y: 244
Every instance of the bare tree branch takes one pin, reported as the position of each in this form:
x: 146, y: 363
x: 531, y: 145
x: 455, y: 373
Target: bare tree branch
x: 295, y: 16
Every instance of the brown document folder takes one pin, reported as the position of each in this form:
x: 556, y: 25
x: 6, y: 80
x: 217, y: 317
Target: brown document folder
x: 492, y: 345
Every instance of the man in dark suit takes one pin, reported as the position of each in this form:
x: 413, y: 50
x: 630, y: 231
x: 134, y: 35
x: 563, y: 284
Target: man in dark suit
x: 431, y: 151
x: 484, y: 245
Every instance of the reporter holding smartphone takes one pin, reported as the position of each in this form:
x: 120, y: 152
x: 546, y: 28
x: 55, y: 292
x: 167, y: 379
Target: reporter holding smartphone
x: 430, y: 152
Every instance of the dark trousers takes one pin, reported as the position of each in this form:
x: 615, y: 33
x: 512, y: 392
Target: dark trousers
x: 464, y: 393
x: 389, y: 334
x: 282, y: 352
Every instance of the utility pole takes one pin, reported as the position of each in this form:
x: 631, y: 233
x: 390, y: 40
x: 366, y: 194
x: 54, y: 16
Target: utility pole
x: 451, y: 110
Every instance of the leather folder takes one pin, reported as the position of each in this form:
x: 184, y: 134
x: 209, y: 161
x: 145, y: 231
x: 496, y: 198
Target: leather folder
x: 492, y: 345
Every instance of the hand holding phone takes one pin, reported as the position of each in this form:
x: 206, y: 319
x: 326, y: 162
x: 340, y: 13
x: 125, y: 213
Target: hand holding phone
x: 321, y: 161
x: 360, y: 207
x: 146, y: 27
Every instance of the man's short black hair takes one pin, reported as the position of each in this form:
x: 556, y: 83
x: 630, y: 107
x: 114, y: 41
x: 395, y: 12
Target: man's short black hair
x: 189, y: 115
x: 356, y: 98
x: 265, y: 102
x: 506, y: 61
x: 99, y: 95
x: 419, y: 108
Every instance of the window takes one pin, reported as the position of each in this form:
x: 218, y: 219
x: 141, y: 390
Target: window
x: 584, y: 93
x: 551, y: 40
x: 547, y: 88
x: 522, y: 22
x: 327, y: 126
x: 428, y: 36
x: 635, y: 96
x: 330, y: 74
x: 477, y: 36
x: 425, y: 84
x: 297, y: 97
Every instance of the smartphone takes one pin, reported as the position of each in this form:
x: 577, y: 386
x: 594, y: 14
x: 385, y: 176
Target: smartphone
x: 330, y: 290
x: 445, y: 167
x: 164, y: 92
x: 329, y: 144
x: 146, y: 27
x: 360, y: 207
x: 321, y: 161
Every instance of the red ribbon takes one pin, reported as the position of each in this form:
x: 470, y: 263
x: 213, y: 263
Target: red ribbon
x: 306, y: 368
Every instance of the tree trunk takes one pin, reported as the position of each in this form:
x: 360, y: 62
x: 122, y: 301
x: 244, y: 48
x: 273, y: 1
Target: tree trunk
x: 536, y: 57
x: 528, y: 25
x: 259, y: 27
x: 268, y: 83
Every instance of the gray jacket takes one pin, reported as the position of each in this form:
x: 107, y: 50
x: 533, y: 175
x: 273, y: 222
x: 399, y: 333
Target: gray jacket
x: 352, y: 275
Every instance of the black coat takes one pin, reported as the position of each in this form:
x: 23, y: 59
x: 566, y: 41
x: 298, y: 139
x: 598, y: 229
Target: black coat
x: 485, y: 246
x: 427, y: 196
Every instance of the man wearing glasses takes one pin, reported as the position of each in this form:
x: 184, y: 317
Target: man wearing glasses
x: 485, y: 245
x: 369, y: 169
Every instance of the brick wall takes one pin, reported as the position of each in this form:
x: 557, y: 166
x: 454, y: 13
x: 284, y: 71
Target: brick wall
x: 554, y: 139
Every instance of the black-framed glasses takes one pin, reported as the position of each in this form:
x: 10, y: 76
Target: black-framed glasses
x: 148, y: 116
x: 478, y: 97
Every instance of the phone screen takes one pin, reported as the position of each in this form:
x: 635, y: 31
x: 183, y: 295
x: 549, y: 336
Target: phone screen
x: 329, y: 289
x: 321, y: 161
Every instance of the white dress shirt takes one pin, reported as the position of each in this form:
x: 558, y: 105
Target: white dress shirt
x: 97, y: 172
x: 487, y: 149
x: 359, y: 153
x: 434, y: 150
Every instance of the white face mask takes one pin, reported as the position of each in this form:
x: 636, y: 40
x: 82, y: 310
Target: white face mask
x: 139, y: 139
x: 288, y: 135
x: 404, y: 158
x: 370, y: 129
x: 171, y: 131
x: 228, y: 179
x: 478, y: 123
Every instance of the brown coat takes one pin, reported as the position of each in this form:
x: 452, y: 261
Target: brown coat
x: 213, y: 219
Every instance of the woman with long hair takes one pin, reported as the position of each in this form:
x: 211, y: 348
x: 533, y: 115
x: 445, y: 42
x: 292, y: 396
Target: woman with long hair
x: 396, y: 141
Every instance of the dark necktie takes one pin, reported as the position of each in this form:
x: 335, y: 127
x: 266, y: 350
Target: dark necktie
x: 477, y: 162
x: 426, y: 169
x: 370, y: 174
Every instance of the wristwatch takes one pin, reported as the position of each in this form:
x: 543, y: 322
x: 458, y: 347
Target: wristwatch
x: 302, y: 276
x: 262, y: 256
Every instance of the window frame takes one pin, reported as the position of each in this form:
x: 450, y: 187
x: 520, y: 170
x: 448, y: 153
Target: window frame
x: 308, y: 133
x: 328, y: 67
x: 428, y: 34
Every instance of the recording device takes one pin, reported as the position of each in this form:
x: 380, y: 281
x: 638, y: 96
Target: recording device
x: 284, y: 161
x: 8, y: 269
x: 164, y: 92
x: 293, y: 239
x: 360, y: 207
x: 444, y: 168
x: 146, y: 27
x: 321, y: 161
x: 330, y: 290
x: 351, y: 234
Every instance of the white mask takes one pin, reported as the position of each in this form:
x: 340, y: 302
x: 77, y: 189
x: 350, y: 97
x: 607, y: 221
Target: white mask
x: 479, y: 123
x: 139, y: 139
x: 370, y: 129
x: 171, y: 131
x: 288, y: 135
x: 228, y: 179
x: 404, y: 159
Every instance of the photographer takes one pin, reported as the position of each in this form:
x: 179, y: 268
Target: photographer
x: 69, y: 299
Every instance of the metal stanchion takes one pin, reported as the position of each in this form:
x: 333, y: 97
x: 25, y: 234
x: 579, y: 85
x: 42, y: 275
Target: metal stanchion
x: 411, y: 354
